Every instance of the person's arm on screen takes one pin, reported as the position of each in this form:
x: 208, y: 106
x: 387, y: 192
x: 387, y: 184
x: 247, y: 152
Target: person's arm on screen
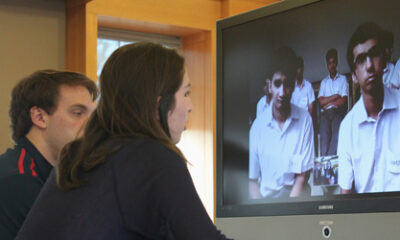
x: 345, y: 191
x: 299, y: 181
x: 254, y: 189
x: 327, y: 101
x: 311, y: 108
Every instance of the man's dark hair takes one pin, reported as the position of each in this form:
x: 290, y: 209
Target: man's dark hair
x: 388, y: 39
x: 41, y: 89
x: 300, y: 62
x: 284, y: 61
x: 331, y: 53
x: 363, y: 33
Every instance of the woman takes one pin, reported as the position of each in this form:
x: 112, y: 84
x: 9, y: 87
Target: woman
x: 125, y: 178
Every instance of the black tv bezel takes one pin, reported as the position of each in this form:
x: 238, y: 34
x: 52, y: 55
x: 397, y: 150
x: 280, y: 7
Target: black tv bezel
x: 342, y: 204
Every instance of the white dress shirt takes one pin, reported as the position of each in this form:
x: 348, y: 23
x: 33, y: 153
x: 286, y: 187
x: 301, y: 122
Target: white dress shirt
x: 391, y: 75
x: 369, y: 149
x: 303, y: 95
x: 388, y: 74
x: 276, y: 155
x: 337, y: 85
x: 396, y: 77
x: 262, y: 105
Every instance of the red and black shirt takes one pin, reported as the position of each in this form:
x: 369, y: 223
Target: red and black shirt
x: 23, y: 171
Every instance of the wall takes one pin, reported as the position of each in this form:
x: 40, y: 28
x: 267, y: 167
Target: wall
x: 32, y: 38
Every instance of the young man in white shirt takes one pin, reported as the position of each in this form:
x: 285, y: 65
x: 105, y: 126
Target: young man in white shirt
x: 369, y: 139
x: 332, y: 97
x: 303, y: 94
x: 391, y: 74
x: 265, y: 100
x: 281, y: 151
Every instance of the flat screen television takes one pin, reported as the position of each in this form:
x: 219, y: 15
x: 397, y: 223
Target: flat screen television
x: 246, y: 46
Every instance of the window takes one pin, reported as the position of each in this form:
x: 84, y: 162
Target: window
x: 109, y: 40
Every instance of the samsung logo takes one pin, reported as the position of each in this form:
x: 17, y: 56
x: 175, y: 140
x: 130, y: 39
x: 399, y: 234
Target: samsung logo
x: 325, y: 207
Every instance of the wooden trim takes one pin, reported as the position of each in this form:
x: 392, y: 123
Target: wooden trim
x: 197, y: 51
x: 147, y: 27
x: 75, y: 3
x: 76, y: 39
x: 233, y: 7
x: 91, y: 45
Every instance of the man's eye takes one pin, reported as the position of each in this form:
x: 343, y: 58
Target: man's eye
x: 277, y: 83
x: 187, y: 93
x: 375, y: 52
x: 360, y: 59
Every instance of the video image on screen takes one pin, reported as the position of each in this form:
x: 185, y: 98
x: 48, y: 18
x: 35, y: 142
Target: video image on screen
x: 311, y: 104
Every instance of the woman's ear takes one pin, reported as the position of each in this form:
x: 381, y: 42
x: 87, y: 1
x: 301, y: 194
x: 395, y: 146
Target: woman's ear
x: 157, y: 108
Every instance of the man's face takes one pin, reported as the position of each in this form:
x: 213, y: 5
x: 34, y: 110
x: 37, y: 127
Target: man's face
x: 73, y: 108
x: 299, y: 73
x: 332, y: 65
x: 281, y: 90
x: 368, y: 65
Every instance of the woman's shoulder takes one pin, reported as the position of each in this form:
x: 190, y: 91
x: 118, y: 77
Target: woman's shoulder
x: 147, y: 145
x: 143, y: 150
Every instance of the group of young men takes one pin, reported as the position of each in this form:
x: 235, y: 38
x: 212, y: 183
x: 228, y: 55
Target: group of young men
x: 366, y: 139
x: 48, y: 109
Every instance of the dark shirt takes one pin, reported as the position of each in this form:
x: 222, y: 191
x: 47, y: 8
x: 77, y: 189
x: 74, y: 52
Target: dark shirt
x: 142, y: 191
x: 23, y: 172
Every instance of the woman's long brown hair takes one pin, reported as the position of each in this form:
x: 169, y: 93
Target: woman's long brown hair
x: 132, y: 80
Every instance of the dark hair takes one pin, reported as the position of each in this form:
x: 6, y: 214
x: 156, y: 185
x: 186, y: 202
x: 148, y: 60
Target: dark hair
x: 132, y: 80
x: 284, y: 61
x: 41, y: 89
x: 300, y: 62
x: 363, y: 33
x: 331, y: 53
x: 388, y: 39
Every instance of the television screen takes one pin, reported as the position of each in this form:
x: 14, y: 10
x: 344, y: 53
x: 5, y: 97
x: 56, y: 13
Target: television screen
x: 308, y: 118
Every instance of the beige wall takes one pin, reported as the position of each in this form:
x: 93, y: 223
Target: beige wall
x: 32, y: 38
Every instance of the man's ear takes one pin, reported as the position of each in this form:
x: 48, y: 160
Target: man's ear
x: 157, y: 107
x: 39, y: 117
x: 354, y: 77
x: 267, y: 87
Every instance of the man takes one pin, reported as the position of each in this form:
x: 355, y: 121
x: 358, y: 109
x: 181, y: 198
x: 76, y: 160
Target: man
x: 303, y: 95
x: 48, y: 109
x: 390, y: 74
x: 265, y: 100
x: 369, y: 139
x: 281, y: 139
x: 332, y: 97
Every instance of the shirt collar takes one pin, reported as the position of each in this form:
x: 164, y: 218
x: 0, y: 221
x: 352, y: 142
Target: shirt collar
x: 43, y: 166
x: 389, y: 103
x: 388, y: 67
x: 334, y: 78
x: 302, y: 84
x: 294, y: 114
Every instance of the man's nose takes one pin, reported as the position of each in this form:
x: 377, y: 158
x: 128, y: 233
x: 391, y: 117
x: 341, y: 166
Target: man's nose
x: 368, y: 64
x: 281, y: 90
